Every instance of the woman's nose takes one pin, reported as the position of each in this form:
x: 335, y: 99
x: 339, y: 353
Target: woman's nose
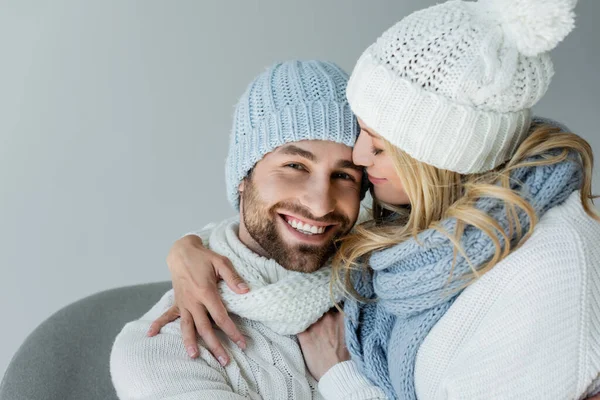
x: 361, y: 154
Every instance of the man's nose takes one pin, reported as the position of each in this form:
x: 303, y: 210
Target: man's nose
x: 362, y: 154
x: 319, y: 198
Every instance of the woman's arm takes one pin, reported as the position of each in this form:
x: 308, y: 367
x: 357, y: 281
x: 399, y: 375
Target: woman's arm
x: 195, y: 271
x: 345, y: 381
x: 328, y: 360
x: 525, y: 328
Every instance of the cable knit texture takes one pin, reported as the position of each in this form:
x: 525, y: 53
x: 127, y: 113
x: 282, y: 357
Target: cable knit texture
x: 452, y: 85
x: 272, y: 367
x: 415, y: 282
x: 289, y: 102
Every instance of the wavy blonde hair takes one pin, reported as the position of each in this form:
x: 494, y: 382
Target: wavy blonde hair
x: 436, y: 194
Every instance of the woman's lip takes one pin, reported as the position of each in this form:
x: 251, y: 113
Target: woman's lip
x: 374, y: 180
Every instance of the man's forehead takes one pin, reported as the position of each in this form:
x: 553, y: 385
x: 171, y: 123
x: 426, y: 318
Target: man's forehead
x: 312, y: 146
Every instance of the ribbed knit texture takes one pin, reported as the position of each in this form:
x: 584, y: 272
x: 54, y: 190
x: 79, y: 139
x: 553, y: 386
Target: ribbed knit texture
x: 345, y: 382
x: 289, y: 102
x: 272, y: 367
x: 415, y: 282
x: 529, y: 328
x: 452, y: 85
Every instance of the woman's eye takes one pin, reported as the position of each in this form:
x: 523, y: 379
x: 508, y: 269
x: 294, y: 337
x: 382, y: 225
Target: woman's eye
x: 376, y: 151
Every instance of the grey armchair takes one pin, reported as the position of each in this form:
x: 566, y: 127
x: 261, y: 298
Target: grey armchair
x: 67, y: 356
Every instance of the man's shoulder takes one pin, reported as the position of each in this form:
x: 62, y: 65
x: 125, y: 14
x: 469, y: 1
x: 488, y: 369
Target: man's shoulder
x: 166, y: 301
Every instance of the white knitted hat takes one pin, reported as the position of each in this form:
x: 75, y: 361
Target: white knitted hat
x: 452, y: 85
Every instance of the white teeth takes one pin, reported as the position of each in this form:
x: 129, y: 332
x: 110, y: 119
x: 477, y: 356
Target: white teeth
x: 306, y: 228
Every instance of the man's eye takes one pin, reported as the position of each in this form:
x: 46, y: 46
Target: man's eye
x: 299, y: 167
x: 342, y: 175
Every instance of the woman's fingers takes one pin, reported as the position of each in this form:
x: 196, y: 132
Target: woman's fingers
x: 214, y: 304
x: 226, y: 271
x: 168, y: 316
x: 207, y: 333
x: 188, y: 333
x: 195, y: 272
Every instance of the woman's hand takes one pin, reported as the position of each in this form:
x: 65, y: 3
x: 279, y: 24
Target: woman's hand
x: 195, y: 271
x: 323, y: 344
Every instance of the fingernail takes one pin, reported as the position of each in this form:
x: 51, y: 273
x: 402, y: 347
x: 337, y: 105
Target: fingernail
x: 191, y: 351
x: 222, y: 360
x: 150, y: 332
x: 243, y: 286
x: 241, y: 344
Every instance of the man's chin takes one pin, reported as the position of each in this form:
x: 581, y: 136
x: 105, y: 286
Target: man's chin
x: 294, y: 250
x: 301, y: 264
x: 301, y: 258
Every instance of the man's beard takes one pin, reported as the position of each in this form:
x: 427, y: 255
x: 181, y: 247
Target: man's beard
x: 260, y: 224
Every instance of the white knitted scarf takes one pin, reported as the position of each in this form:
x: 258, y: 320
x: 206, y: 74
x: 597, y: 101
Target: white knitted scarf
x: 286, y: 301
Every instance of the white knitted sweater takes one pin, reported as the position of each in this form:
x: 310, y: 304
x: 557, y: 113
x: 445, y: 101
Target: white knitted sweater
x: 281, y: 303
x: 528, y: 329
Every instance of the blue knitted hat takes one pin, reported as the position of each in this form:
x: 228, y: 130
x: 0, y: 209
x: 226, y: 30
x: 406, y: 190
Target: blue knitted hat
x: 289, y: 102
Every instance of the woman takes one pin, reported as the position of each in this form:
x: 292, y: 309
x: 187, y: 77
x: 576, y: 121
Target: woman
x: 479, y: 275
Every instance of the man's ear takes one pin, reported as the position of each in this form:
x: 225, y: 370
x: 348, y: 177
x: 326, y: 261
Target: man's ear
x: 240, y: 197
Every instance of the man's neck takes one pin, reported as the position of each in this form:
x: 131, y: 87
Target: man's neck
x: 284, y: 301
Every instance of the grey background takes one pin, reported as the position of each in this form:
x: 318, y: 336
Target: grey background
x: 114, y: 122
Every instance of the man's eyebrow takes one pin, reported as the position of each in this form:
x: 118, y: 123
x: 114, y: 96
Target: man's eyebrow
x: 348, y: 164
x: 298, y: 151
x: 292, y: 150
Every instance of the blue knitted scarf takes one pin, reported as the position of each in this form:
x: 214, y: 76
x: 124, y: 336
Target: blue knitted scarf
x: 414, y: 285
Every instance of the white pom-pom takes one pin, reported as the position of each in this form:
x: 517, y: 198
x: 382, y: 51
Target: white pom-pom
x: 533, y: 26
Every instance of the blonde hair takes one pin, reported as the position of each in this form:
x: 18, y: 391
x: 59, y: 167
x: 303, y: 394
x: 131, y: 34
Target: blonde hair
x: 437, y: 194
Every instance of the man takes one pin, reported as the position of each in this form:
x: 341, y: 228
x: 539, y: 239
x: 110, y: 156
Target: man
x: 290, y: 174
